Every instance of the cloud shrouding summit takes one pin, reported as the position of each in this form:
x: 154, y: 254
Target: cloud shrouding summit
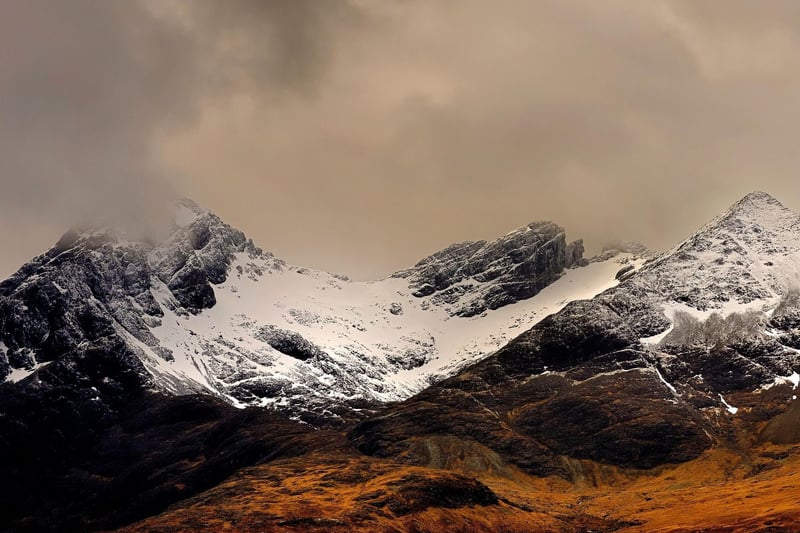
x: 359, y: 136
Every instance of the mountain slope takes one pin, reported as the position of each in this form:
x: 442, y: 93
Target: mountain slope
x: 595, y: 381
x: 749, y: 253
x: 648, y: 407
x: 204, y: 310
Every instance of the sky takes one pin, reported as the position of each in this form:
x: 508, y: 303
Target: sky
x: 360, y: 136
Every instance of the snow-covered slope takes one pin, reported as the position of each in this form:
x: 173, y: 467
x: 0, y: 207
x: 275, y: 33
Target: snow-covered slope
x: 207, y: 311
x: 748, y: 254
x: 364, y: 340
x: 717, y: 315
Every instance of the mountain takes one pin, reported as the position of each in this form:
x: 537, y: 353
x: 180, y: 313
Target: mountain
x: 687, y: 351
x: 666, y: 403
x: 750, y: 253
x: 204, y: 310
x: 631, y: 393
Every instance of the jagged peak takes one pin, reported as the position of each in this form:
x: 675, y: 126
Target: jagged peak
x: 157, y: 225
x: 467, y: 249
x: 751, y: 252
x: 758, y: 197
x: 532, y: 226
x: 755, y: 204
x: 756, y: 212
x: 185, y: 211
x: 179, y: 223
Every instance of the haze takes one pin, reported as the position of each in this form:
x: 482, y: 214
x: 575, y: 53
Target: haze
x: 360, y: 136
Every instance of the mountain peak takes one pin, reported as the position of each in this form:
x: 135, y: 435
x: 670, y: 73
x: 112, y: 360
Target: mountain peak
x: 758, y: 218
x: 753, y: 204
x: 759, y: 196
x: 185, y: 211
x: 751, y: 252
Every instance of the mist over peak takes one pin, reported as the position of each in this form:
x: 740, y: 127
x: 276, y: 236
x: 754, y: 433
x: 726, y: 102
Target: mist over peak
x: 319, y: 127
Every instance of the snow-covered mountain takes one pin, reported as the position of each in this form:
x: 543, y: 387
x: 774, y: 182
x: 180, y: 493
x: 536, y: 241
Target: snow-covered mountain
x: 699, y: 347
x: 205, y: 310
x: 749, y: 253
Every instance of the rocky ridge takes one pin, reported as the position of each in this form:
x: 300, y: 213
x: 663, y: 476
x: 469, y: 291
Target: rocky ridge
x: 609, y: 414
x: 205, y: 310
x: 472, y: 277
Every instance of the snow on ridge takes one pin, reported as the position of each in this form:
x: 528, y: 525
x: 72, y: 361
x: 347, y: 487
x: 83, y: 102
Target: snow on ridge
x: 18, y: 374
x: 379, y: 342
x: 748, y: 254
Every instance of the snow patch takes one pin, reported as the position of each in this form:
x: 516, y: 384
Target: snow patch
x: 665, y: 382
x: 59, y: 288
x: 656, y: 339
x: 728, y: 407
x: 793, y: 379
x: 18, y: 374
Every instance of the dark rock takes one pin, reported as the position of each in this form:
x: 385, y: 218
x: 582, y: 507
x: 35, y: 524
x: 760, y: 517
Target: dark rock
x: 289, y: 342
x: 621, y: 274
x: 81, y: 465
x: 581, y: 331
x: 504, y: 271
x: 620, y: 419
x: 574, y: 254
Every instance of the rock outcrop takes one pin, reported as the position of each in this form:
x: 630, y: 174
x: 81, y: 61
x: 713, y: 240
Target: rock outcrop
x: 472, y: 277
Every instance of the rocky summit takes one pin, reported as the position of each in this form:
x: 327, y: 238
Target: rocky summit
x: 471, y: 277
x: 202, y: 384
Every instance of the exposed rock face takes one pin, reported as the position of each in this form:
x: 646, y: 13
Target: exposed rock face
x: 580, y: 332
x: 93, y: 290
x: 574, y: 253
x: 471, y: 277
x: 290, y: 343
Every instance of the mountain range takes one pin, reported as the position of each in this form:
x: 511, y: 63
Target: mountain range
x: 198, y: 382
x: 207, y: 311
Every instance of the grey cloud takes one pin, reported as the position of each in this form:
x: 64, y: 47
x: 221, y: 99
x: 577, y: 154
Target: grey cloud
x: 358, y: 136
x: 88, y: 87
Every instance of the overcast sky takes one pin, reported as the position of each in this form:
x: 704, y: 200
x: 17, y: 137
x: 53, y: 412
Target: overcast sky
x: 359, y: 136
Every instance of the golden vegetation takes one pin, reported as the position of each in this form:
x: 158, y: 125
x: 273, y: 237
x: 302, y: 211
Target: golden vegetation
x: 722, y: 491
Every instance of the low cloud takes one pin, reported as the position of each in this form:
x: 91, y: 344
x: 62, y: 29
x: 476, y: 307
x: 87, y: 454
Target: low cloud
x: 359, y: 136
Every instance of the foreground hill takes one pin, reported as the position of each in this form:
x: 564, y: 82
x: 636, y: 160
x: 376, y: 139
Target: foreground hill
x: 721, y: 491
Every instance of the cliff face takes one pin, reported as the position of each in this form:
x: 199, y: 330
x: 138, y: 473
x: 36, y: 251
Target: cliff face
x: 91, y: 297
x: 472, y: 277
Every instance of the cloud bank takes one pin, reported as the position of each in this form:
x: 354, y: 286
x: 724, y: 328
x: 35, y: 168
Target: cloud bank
x: 358, y: 136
